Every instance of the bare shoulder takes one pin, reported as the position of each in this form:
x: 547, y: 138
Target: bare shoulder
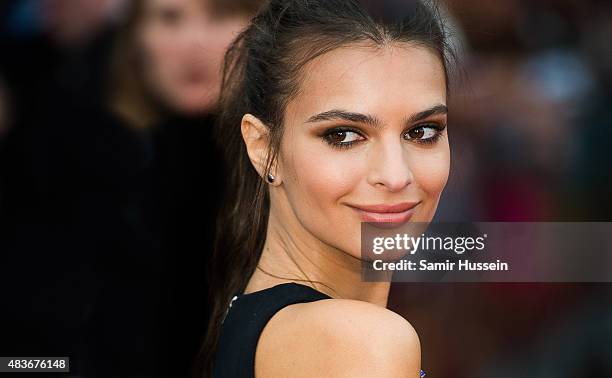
x: 338, y: 337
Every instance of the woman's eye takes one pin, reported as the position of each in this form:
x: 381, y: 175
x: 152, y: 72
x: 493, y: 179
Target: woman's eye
x: 342, y: 137
x: 423, y: 134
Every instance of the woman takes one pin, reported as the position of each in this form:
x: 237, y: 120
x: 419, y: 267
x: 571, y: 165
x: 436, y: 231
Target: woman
x: 331, y: 115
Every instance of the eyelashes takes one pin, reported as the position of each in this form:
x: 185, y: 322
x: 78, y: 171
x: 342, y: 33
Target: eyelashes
x: 345, y: 137
x: 342, y: 137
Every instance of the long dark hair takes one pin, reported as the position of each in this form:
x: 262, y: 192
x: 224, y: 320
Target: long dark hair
x: 261, y: 75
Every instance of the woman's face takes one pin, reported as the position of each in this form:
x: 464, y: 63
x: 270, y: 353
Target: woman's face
x: 183, y: 43
x: 365, y: 140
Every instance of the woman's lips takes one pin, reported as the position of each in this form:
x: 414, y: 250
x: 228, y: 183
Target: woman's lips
x: 397, y: 213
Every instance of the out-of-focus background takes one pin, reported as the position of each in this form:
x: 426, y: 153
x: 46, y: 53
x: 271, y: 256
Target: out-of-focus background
x: 107, y: 167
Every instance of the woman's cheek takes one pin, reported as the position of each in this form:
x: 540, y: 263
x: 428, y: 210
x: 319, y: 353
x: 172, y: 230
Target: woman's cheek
x: 322, y: 180
x: 316, y: 177
x: 327, y: 175
x: 431, y: 175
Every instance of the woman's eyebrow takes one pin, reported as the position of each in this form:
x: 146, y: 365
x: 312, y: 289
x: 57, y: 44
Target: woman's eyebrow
x: 436, y: 109
x: 344, y: 115
x: 338, y: 114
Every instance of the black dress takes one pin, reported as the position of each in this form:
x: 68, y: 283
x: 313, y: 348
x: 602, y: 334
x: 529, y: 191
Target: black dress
x: 246, y: 318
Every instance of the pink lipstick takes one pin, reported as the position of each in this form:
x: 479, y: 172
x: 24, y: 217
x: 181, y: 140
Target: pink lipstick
x: 383, y: 213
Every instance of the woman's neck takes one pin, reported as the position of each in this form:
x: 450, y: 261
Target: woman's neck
x: 292, y: 254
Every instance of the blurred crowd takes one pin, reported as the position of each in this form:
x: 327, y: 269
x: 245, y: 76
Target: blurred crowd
x: 109, y: 180
x: 531, y: 121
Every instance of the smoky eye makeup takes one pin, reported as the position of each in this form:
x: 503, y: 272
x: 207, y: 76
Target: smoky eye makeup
x: 342, y: 136
x: 427, y: 133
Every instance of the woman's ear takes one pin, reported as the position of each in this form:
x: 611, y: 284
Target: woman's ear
x: 256, y: 139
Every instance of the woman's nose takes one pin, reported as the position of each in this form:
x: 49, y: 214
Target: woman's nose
x: 389, y: 167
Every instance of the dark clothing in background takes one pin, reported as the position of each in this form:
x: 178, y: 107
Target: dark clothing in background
x: 106, y: 235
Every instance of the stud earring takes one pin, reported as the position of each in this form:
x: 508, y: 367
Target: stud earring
x: 270, y: 178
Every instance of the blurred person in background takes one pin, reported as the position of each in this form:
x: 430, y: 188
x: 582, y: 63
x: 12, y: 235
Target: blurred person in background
x: 166, y: 80
x: 111, y: 210
x: 168, y: 57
